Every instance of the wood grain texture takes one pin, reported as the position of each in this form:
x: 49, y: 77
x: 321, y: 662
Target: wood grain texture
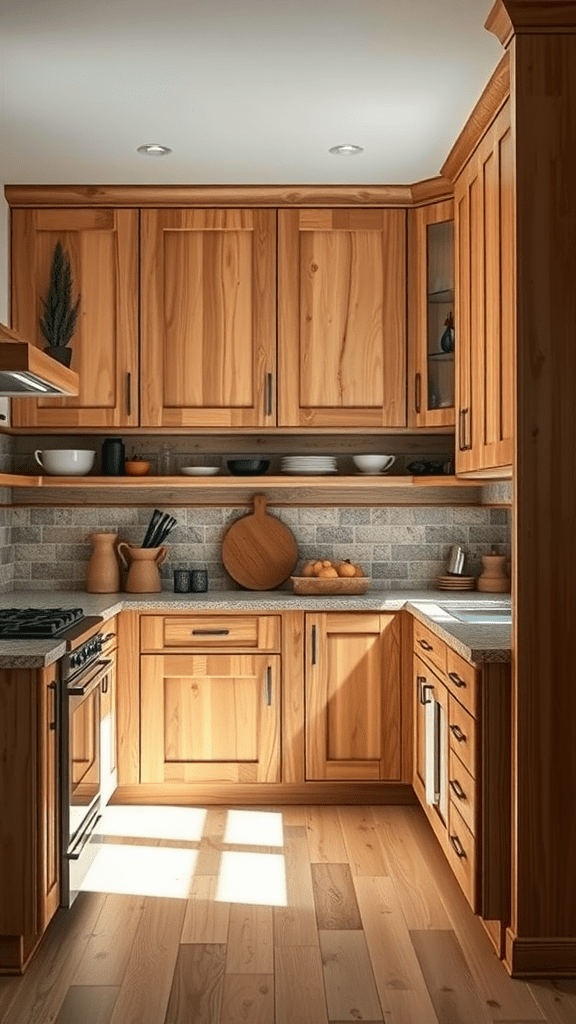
x: 293, y: 698
x: 491, y: 100
x: 89, y: 1004
x: 365, y: 852
x: 102, y: 245
x: 334, y: 897
x: 299, y: 985
x: 128, y: 699
x: 106, y: 955
x: 206, y: 920
x: 259, y: 551
x: 208, y: 312
x: 401, y: 987
x: 441, y: 962
x: 196, y: 995
x: 250, y: 940
x: 295, y: 924
x: 342, y: 294
x: 325, y: 839
x: 248, y: 999
x: 350, y: 990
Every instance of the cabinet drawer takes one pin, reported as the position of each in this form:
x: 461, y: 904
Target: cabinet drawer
x: 462, y: 734
x: 462, y: 791
x: 461, y: 853
x: 462, y: 679
x: 245, y: 632
x: 428, y: 646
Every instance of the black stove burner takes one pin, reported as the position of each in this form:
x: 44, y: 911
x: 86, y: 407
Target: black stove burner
x: 37, y: 623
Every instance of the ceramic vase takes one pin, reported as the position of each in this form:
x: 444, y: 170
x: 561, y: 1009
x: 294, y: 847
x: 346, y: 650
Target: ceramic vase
x: 103, y: 571
x: 143, y: 568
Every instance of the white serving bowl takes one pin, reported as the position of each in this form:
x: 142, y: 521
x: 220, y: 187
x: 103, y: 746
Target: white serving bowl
x: 200, y: 470
x: 65, y: 461
x: 373, y: 463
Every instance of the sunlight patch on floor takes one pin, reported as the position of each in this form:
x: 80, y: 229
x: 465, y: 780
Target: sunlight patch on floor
x: 142, y: 871
x: 253, y: 878
x: 254, y: 828
x: 141, y: 822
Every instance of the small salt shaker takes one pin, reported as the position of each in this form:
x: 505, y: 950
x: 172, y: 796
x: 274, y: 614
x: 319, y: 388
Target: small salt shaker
x: 181, y: 581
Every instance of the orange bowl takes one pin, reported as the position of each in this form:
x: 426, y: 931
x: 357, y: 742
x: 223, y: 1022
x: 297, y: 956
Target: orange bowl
x: 136, y: 467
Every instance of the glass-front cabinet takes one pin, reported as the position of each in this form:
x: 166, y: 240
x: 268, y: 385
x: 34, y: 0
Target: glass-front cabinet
x: 431, y: 325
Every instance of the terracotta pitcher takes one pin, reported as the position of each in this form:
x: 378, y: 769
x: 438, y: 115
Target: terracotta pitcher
x: 103, y: 570
x: 142, y: 563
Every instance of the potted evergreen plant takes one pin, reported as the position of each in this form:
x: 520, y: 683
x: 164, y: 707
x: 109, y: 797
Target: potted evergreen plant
x: 58, y: 322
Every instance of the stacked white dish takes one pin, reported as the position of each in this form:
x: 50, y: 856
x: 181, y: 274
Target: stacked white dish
x: 314, y: 464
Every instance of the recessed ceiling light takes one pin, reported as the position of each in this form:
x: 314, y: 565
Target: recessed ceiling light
x: 153, y: 149
x: 346, y: 150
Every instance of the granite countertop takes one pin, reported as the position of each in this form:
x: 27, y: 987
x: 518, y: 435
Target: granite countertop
x: 475, y: 642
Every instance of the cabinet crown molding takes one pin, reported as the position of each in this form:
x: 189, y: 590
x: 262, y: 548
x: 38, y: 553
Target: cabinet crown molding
x: 515, y: 17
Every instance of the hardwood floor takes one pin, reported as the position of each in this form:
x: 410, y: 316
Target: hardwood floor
x: 296, y: 915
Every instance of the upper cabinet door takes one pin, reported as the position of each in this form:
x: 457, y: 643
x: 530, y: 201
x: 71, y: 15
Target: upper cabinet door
x: 342, y: 314
x: 208, y: 318
x: 431, y: 335
x: 102, y: 246
x: 485, y: 315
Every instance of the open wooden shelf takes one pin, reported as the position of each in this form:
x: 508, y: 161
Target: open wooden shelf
x: 223, y: 490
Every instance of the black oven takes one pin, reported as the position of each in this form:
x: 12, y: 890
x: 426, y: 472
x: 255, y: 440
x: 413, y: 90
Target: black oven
x: 82, y: 672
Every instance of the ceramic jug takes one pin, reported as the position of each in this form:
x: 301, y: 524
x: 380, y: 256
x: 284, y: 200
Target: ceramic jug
x: 103, y: 570
x: 493, y: 578
x: 143, y: 567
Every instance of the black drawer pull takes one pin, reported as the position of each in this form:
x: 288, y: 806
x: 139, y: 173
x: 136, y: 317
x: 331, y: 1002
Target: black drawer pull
x: 210, y: 632
x: 456, y: 679
x: 425, y: 645
x: 457, y: 846
x: 457, y: 732
x: 457, y: 789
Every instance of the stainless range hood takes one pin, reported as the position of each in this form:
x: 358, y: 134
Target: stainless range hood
x: 26, y: 371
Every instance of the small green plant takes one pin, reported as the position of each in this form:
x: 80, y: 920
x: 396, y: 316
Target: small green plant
x: 58, y: 322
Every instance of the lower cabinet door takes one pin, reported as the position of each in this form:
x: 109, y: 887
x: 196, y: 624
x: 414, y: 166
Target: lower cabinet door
x: 210, y: 718
x: 352, y: 696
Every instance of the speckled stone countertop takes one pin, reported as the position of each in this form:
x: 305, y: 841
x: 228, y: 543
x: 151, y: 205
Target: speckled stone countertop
x: 475, y: 642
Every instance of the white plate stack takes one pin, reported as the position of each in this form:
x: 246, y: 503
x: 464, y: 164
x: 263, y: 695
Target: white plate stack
x: 314, y: 464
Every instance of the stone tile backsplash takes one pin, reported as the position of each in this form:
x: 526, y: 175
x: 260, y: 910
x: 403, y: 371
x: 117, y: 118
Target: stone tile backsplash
x: 400, y: 547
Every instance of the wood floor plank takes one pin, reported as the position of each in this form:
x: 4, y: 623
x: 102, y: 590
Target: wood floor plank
x: 293, y: 815
x: 365, y: 853
x: 44, y: 987
x: 448, y: 978
x: 248, y: 999
x: 414, y: 882
x: 89, y: 1004
x: 299, y: 995
x: 250, y: 940
x: 106, y: 956
x: 146, y: 985
x: 210, y: 849
x: 325, y: 839
x: 334, y: 897
x: 505, y: 998
x: 206, y: 919
x: 196, y: 995
x: 556, y: 998
x: 295, y: 924
x: 348, y: 979
x: 399, y: 980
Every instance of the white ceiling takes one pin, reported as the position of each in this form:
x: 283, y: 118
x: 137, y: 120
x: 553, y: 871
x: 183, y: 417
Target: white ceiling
x: 243, y: 91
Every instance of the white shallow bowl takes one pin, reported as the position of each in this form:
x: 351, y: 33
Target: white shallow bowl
x: 65, y: 461
x: 373, y: 463
x: 200, y: 470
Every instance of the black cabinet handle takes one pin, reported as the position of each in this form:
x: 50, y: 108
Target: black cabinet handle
x: 268, y: 394
x: 210, y: 632
x: 423, y: 686
x: 128, y: 394
x: 314, y: 646
x: 457, y: 846
x: 418, y: 392
x: 425, y: 645
x: 456, y: 679
x: 268, y: 694
x: 54, y: 688
x: 457, y: 789
x: 457, y: 732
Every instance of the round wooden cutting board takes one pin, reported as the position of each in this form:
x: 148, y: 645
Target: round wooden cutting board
x: 258, y: 551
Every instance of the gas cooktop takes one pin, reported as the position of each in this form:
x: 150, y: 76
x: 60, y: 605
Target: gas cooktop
x: 37, y: 623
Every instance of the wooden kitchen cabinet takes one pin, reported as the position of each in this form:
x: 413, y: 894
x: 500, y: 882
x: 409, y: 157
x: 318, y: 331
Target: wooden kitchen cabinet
x: 210, y: 718
x: 484, y: 196
x: 342, y: 315
x: 431, y: 395
x: 108, y: 717
x: 208, y: 318
x: 352, y: 683
x: 30, y: 819
x: 102, y: 245
x: 464, y: 788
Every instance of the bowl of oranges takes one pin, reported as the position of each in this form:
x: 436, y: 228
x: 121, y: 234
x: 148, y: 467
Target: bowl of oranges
x: 324, y: 576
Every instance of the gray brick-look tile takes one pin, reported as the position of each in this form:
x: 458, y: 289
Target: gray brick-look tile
x: 318, y: 516
x: 471, y: 516
x: 447, y: 534
x: 335, y: 534
x: 35, y: 552
x: 389, y: 570
x: 354, y: 516
x: 41, y: 516
x: 488, y: 534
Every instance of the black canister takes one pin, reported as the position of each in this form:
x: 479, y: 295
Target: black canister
x: 113, y: 455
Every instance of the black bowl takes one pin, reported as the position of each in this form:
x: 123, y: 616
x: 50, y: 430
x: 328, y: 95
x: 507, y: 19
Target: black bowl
x: 248, y: 467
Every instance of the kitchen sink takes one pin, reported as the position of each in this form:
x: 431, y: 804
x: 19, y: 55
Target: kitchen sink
x: 497, y: 616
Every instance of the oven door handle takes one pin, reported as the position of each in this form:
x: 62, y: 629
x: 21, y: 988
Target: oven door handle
x: 80, y: 844
x: 82, y: 689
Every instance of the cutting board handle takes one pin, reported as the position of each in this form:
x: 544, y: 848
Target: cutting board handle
x: 260, y: 503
